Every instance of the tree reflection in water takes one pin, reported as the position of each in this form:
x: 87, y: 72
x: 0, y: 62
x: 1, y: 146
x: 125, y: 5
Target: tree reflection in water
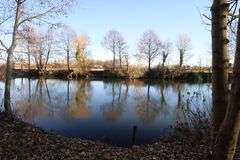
x: 161, y: 88
x: 181, y: 112
x: 37, y: 104
x: 40, y: 103
x: 138, y: 110
x: 148, y: 106
x: 80, y: 108
x: 113, y: 110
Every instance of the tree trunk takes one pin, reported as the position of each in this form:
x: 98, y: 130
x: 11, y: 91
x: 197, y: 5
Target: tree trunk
x: 120, y: 60
x: 68, y: 65
x: 149, y: 65
x: 36, y: 61
x: 228, y: 135
x: 113, y: 64
x: 40, y: 63
x: 47, y: 58
x: 7, y: 92
x: 149, y: 57
x: 29, y: 60
x: 127, y: 63
x: 163, y: 64
x: 68, y: 52
x: 220, y: 89
x: 181, y: 57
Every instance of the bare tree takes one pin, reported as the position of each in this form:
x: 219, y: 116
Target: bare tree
x: 20, y: 13
x: 149, y: 47
x: 81, y: 46
x: 115, y: 42
x: 28, y: 37
x: 43, y: 47
x: 67, y: 43
x: 166, y: 50
x: 121, y: 49
x: 49, y: 42
x: 183, y: 45
x: 126, y: 57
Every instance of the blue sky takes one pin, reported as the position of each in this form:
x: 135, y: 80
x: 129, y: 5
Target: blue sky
x: 132, y: 17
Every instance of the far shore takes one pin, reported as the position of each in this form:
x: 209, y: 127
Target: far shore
x: 183, y: 75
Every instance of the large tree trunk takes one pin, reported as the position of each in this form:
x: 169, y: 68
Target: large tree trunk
x: 7, y: 92
x: 220, y: 89
x: 228, y: 134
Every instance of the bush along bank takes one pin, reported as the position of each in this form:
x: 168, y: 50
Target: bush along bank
x: 152, y: 74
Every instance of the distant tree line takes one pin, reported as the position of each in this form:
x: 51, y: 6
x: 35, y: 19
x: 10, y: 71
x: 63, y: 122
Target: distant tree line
x: 58, y: 42
x: 149, y: 48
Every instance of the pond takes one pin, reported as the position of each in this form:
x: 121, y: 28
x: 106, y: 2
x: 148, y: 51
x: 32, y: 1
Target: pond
x: 121, y: 113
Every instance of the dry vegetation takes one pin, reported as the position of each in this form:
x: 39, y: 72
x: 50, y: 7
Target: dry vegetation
x: 103, y: 69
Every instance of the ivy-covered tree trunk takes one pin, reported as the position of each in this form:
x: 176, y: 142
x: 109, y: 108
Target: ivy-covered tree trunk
x: 220, y: 89
x: 181, y: 54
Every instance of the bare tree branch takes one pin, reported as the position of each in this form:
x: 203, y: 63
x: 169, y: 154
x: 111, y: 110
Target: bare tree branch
x: 51, y: 10
x: 205, y: 17
x: 1, y: 42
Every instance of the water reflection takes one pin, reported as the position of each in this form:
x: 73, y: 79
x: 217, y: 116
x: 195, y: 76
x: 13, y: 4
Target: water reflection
x: 117, y: 112
x: 36, y: 102
x: 113, y: 110
x: 80, y: 108
x: 148, y: 107
x: 180, y: 113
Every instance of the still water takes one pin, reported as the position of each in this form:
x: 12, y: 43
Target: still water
x: 121, y: 113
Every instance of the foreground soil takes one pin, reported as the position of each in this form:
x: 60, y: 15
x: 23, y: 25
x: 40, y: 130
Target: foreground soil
x: 19, y: 140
